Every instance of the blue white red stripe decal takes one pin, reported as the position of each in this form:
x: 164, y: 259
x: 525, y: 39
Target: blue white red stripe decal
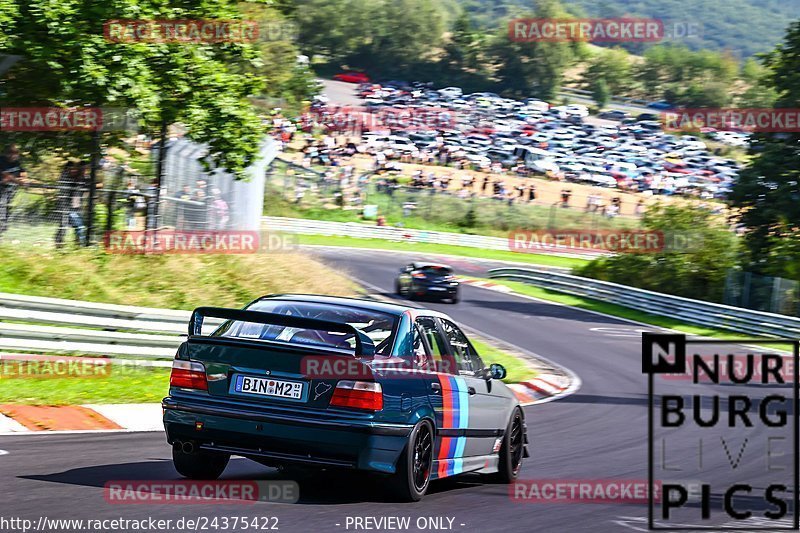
x: 455, y: 415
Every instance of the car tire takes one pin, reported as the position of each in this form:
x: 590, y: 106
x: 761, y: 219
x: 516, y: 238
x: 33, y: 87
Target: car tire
x: 512, y: 450
x: 455, y: 298
x: 414, y: 467
x: 199, y: 465
x: 397, y: 290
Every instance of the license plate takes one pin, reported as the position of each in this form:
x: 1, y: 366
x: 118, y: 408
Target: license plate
x: 268, y: 387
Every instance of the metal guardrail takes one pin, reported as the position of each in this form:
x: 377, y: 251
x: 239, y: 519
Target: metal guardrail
x: 31, y: 323
x: 684, y: 309
x: 397, y: 234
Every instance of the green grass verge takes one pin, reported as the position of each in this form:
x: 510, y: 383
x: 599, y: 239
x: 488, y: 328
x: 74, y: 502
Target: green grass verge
x: 623, y: 312
x: 465, y: 251
x: 517, y: 369
x: 121, y: 385
x: 126, y: 384
x: 165, y: 281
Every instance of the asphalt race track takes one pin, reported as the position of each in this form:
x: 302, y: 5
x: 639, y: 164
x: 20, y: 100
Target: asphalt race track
x: 597, y: 433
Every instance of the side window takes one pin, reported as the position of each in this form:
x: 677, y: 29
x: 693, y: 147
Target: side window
x: 467, y: 359
x: 421, y: 356
x: 439, y: 359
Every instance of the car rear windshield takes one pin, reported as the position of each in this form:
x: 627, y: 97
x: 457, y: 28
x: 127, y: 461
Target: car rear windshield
x: 380, y: 327
x: 437, y: 270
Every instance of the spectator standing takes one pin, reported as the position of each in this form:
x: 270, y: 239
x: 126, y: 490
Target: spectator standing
x: 196, y: 211
x: 566, y: 194
x: 136, y: 204
x: 72, y: 185
x: 183, y: 205
x: 219, y: 210
x: 12, y: 175
x: 639, y: 210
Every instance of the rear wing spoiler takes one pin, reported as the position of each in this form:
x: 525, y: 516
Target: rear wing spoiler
x: 364, y: 345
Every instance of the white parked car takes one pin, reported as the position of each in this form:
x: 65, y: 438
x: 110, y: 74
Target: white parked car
x: 451, y: 92
x: 537, y: 105
x: 577, y: 110
x: 543, y: 166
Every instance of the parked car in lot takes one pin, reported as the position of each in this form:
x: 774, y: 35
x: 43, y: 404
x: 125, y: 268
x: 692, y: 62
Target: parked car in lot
x: 327, y: 382
x: 352, y: 77
x: 427, y: 280
x: 485, y: 128
x: 614, y: 115
x: 451, y: 92
x: 577, y: 110
x: 661, y: 105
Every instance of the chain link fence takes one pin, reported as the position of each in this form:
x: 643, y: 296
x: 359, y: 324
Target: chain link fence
x: 54, y: 206
x: 762, y: 293
x: 337, y: 193
x: 56, y: 212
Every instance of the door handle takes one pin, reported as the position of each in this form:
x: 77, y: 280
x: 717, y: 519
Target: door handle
x: 471, y: 390
x: 436, y: 388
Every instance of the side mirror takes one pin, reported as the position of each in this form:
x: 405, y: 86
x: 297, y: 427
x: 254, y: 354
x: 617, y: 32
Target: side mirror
x: 497, y: 371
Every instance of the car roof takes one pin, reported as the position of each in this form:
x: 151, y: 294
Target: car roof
x: 353, y: 303
x: 395, y: 309
x: 422, y: 264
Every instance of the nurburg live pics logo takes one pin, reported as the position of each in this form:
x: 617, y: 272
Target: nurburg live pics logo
x: 737, y: 432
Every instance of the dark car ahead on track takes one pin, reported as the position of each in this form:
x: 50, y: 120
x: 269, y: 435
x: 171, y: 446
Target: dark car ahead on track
x: 328, y: 382
x: 427, y: 280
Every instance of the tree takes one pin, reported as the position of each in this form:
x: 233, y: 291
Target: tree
x: 400, y: 36
x: 461, y: 51
x: 601, y: 92
x: 695, y: 271
x: 768, y: 190
x: 669, y: 69
x: 533, y: 68
x: 68, y: 60
x: 709, y: 94
x: 614, y: 67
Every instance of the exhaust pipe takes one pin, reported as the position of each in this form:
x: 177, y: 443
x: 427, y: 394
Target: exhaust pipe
x: 187, y: 447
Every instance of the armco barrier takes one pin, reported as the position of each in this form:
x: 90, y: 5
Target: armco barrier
x: 37, y: 324
x: 684, y: 309
x: 392, y: 233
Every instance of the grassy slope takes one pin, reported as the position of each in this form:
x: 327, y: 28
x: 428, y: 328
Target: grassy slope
x: 499, y: 255
x: 168, y: 281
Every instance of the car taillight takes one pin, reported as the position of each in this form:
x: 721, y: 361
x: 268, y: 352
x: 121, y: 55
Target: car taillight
x: 358, y: 395
x: 188, y: 375
x: 418, y: 275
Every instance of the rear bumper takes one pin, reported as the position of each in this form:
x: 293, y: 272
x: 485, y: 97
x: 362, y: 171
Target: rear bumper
x: 436, y: 291
x: 280, y: 438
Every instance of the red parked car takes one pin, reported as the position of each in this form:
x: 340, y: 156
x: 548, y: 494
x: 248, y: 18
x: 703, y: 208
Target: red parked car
x: 352, y: 77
